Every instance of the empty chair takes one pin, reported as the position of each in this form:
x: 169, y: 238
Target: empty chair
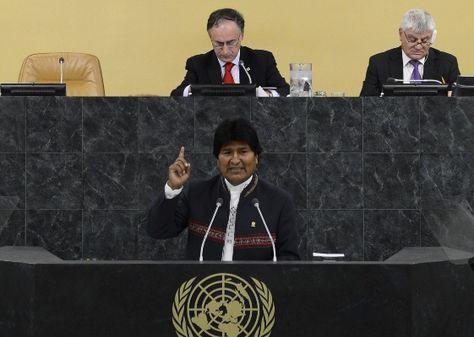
x: 81, y: 72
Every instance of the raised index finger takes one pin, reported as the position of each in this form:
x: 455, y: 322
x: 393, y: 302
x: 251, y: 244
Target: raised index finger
x: 181, y: 157
x: 181, y: 153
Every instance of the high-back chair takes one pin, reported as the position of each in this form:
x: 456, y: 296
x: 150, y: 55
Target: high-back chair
x: 81, y: 72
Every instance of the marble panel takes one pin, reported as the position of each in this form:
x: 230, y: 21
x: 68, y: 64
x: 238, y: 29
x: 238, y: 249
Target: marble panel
x: 12, y: 124
x: 447, y: 180
x: 58, y: 231
x: 334, y: 180
x: 336, y: 232
x: 428, y: 238
x: 110, y: 124
x: 54, y: 124
x: 165, y: 124
x: 386, y: 232
x: 280, y: 124
x: 209, y: 112
x: 12, y: 181
x: 110, y: 235
x: 453, y: 228
x: 149, y: 248
x: 287, y: 171
x: 447, y: 124
x: 110, y: 181
x: 54, y: 181
x: 334, y: 125
x: 12, y: 228
x: 391, y: 181
x: 391, y: 124
x: 152, y: 176
x: 302, y: 222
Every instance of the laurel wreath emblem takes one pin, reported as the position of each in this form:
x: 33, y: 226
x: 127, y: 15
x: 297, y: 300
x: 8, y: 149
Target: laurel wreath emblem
x: 268, y: 309
x: 265, y: 296
x: 180, y: 298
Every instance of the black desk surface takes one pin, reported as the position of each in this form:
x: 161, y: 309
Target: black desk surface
x: 45, y: 297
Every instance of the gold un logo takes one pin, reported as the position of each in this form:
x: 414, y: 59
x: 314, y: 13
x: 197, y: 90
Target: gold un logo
x: 223, y: 305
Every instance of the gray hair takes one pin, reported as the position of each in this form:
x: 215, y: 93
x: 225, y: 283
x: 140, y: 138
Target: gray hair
x: 418, y: 20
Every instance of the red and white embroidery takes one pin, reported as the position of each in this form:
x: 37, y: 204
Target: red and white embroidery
x: 250, y: 241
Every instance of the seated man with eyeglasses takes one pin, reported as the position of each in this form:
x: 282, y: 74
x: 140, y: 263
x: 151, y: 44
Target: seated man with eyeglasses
x: 414, y: 60
x: 231, y: 63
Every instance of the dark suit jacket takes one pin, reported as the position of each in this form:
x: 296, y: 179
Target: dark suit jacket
x: 192, y: 209
x: 205, y: 69
x: 439, y: 66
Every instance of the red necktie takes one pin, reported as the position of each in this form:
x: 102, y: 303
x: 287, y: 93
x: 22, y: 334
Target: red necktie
x: 228, y: 79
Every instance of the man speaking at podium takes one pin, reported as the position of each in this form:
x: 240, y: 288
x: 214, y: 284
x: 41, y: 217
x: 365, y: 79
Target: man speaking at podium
x: 233, y: 216
x: 414, y: 60
x: 231, y: 63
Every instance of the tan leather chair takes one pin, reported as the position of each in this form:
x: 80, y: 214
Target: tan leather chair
x: 81, y: 72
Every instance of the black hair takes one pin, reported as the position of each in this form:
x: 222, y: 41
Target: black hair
x: 238, y: 129
x: 225, y: 14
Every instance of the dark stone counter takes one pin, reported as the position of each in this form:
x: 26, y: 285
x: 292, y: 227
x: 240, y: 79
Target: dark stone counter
x: 49, y: 298
x: 369, y: 176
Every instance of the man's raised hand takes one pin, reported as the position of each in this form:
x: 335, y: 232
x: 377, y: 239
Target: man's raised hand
x: 179, y: 172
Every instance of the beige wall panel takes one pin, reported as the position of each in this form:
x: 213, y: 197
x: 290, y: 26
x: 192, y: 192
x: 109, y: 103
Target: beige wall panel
x: 143, y: 44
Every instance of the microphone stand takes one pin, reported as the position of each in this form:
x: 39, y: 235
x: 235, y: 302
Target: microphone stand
x: 257, y: 206
x: 218, y: 204
x: 61, y: 69
x: 246, y: 71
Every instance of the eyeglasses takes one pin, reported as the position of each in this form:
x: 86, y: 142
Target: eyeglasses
x: 426, y: 42
x: 229, y: 44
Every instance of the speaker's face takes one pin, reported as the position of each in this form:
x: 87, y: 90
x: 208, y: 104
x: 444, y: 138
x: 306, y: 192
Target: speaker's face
x: 237, y: 162
x: 415, y: 45
x: 226, y: 39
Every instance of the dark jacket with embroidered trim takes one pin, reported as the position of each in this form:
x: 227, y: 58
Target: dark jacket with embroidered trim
x: 205, y: 69
x: 194, y: 206
x: 439, y: 66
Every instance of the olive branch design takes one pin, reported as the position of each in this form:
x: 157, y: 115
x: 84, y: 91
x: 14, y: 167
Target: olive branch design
x: 268, y: 309
x: 179, y: 320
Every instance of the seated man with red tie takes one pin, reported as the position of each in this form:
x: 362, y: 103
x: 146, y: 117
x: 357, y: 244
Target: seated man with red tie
x: 414, y: 60
x: 229, y: 62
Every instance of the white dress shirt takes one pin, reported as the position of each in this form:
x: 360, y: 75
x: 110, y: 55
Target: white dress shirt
x: 235, y: 191
x: 235, y: 71
x: 408, y: 67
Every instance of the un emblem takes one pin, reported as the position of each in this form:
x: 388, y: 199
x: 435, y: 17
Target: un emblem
x: 223, y: 305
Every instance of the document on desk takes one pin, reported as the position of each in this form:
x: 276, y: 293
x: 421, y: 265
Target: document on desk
x: 328, y: 256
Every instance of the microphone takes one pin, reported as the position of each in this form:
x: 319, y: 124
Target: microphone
x: 257, y: 206
x: 393, y: 80
x: 242, y: 64
x: 219, y: 203
x: 427, y: 81
x: 61, y: 68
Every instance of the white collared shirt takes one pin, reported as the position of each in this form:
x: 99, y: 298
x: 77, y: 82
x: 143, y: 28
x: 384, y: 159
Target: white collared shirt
x: 229, y: 239
x: 235, y: 71
x: 408, y: 67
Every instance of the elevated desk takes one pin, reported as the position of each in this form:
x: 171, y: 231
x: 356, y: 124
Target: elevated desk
x: 368, y: 176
